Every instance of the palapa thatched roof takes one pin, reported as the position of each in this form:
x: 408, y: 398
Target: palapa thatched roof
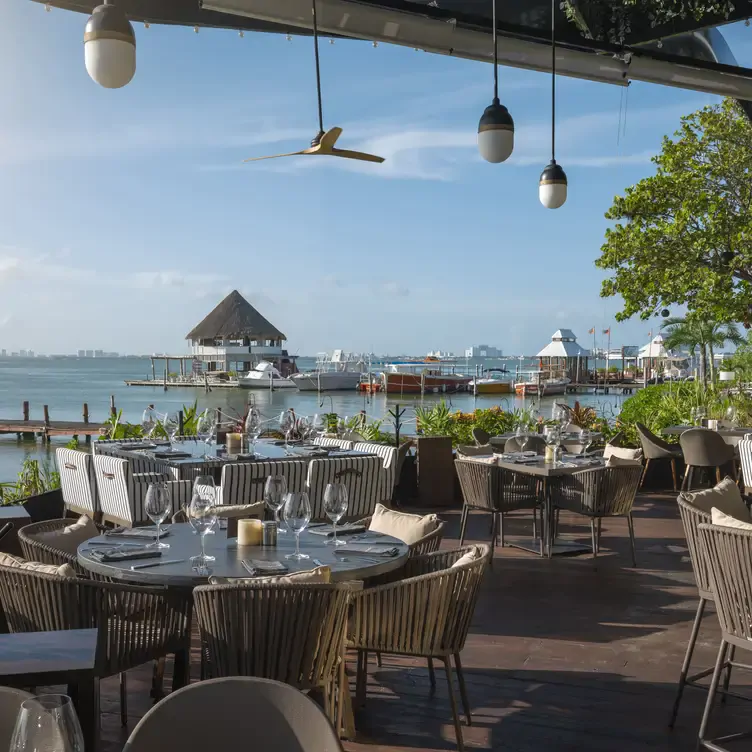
x: 235, y: 317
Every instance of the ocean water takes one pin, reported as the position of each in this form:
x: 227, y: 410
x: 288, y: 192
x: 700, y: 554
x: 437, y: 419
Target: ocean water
x: 66, y: 384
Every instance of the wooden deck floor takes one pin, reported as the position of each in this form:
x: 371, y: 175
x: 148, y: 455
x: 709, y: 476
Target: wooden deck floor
x: 561, y: 656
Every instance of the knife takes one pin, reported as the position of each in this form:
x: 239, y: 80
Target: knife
x: 134, y: 567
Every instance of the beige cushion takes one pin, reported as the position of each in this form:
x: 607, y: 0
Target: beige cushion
x: 485, y: 460
x: 623, y: 453
x: 317, y: 576
x: 239, y: 510
x: 726, y: 520
x: 725, y: 497
x: 409, y: 528
x: 472, y: 555
x: 69, y: 538
x: 64, y: 570
x: 615, y: 461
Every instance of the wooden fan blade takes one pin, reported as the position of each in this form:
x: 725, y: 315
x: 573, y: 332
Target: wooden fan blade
x: 360, y: 155
x: 330, y: 138
x: 277, y: 156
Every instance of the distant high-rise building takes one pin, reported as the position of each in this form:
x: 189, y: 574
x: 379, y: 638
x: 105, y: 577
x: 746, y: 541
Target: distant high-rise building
x: 99, y: 353
x: 81, y: 353
x: 90, y: 353
x: 3, y: 353
x: 29, y: 353
x: 22, y: 353
x: 483, y: 351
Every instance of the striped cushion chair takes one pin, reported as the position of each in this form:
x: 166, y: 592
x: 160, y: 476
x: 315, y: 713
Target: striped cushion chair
x: 122, y: 492
x: 243, y: 483
x: 389, y: 463
x: 77, y: 481
x: 327, y: 441
x: 745, y: 455
x: 360, y: 475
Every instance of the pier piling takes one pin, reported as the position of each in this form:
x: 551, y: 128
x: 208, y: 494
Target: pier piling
x: 113, y: 409
x: 86, y: 420
x: 26, y: 435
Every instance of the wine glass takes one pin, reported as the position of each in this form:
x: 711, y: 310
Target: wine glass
x: 206, y: 425
x: 521, y: 436
x: 561, y: 415
x: 252, y: 428
x: 297, y: 511
x: 304, y: 427
x: 318, y: 425
x: 47, y: 722
x: 731, y: 416
x: 157, y: 506
x: 171, y: 425
x: 287, y: 426
x: 206, y: 487
x: 335, y: 508
x: 586, y: 439
x: 203, y: 518
x: 275, y: 491
x: 148, y: 421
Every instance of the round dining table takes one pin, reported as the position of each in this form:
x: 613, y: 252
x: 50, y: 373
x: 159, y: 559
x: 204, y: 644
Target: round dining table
x: 174, y: 569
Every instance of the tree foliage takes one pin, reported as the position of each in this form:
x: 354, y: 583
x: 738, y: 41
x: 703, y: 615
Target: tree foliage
x: 684, y: 235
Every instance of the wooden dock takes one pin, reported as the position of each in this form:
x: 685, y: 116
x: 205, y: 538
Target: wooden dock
x: 27, y: 428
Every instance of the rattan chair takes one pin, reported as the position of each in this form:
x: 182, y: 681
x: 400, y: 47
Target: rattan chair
x: 293, y: 633
x: 692, y: 517
x: 655, y: 448
x: 492, y: 489
x: 728, y: 553
x: 274, y: 716
x: 10, y: 705
x: 482, y: 450
x: 37, y: 547
x: 597, y: 493
x: 135, y: 624
x: 704, y: 448
x: 425, y: 615
x: 429, y: 543
x: 533, y: 443
x: 481, y: 437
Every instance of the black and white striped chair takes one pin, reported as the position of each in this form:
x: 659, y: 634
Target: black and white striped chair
x: 745, y: 455
x: 77, y: 482
x: 389, y: 462
x: 243, y: 483
x: 360, y: 475
x: 122, y: 492
x: 328, y: 441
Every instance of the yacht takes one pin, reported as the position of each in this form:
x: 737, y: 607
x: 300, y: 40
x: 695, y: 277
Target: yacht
x: 541, y: 384
x: 338, y: 372
x: 265, y: 376
x: 430, y: 377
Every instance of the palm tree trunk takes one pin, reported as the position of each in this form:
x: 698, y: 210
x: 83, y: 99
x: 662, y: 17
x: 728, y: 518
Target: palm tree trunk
x: 712, y: 363
x: 703, y: 364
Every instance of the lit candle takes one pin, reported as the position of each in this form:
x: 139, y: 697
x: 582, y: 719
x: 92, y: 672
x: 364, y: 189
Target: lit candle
x: 249, y: 532
x: 234, y: 443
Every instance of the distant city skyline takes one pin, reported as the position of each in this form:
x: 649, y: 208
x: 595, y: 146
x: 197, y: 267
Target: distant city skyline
x: 134, y: 216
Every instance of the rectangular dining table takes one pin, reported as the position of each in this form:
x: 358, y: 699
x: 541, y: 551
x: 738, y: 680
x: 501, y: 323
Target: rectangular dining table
x: 548, y: 472
x: 195, y: 464
x: 730, y: 435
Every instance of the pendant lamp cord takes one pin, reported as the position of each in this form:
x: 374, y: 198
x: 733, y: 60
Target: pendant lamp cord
x: 553, y: 80
x: 496, y: 55
x: 318, y: 69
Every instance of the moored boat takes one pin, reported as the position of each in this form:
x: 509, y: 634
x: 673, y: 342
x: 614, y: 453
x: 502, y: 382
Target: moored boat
x: 420, y: 378
x: 541, y: 384
x: 339, y: 372
x: 265, y: 376
x: 494, y: 382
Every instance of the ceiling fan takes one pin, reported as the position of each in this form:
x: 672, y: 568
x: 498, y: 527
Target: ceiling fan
x: 324, y: 141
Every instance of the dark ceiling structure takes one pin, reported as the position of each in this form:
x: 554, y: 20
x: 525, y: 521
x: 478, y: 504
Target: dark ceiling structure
x: 684, y: 52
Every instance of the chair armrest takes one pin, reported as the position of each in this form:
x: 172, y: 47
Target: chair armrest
x: 151, y: 477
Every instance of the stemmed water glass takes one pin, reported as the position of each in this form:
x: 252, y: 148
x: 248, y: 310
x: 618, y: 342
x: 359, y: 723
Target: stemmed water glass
x: 275, y: 491
x: 297, y: 513
x: 521, y: 436
x: 252, y: 428
x: 586, y: 439
x: 47, y: 722
x: 561, y: 415
x: 157, y: 506
x: 148, y: 421
x: 206, y: 487
x: 171, y: 425
x: 203, y: 517
x: 206, y: 425
x: 335, y: 508
x: 318, y: 425
x: 287, y: 426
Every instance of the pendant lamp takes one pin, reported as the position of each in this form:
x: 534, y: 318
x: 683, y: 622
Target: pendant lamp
x: 552, y: 188
x: 496, y: 127
x: 109, y: 46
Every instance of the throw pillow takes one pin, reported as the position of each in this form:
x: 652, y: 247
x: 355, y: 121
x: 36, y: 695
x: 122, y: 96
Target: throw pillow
x: 64, y: 570
x: 726, y: 520
x: 725, y: 497
x: 70, y: 537
x: 317, y: 576
x: 623, y: 453
x: 471, y: 555
x: 615, y: 461
x: 409, y: 528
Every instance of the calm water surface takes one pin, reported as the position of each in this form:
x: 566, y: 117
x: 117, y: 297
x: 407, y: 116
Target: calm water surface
x: 65, y: 384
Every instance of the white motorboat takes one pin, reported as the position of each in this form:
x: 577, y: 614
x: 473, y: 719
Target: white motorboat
x: 341, y: 371
x: 265, y: 376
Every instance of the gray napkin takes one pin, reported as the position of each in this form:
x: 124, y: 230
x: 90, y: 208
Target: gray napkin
x: 365, y: 550
x: 328, y: 530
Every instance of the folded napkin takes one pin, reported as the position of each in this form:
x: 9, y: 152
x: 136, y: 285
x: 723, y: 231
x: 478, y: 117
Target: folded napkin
x: 526, y: 460
x: 137, y: 533
x: 259, y: 568
x: 366, y: 550
x: 131, y: 447
x: 176, y: 454
x: 122, y: 554
x: 328, y: 530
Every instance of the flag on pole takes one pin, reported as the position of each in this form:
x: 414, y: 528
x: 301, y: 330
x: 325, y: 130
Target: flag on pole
x: 607, y: 331
x: 591, y: 331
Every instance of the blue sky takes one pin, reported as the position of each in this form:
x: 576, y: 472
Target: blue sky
x: 126, y: 215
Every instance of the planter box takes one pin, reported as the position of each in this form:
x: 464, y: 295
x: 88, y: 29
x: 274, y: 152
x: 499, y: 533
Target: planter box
x: 46, y: 506
x: 436, y: 474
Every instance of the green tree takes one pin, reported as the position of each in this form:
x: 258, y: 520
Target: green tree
x: 704, y: 336
x: 684, y: 235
